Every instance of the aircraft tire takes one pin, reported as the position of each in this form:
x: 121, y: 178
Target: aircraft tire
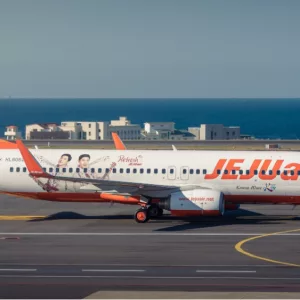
x: 141, y: 215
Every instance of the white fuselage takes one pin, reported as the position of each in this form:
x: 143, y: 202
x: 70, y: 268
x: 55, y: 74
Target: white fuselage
x: 275, y: 173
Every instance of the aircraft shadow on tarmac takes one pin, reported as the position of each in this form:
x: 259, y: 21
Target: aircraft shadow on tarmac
x: 241, y: 216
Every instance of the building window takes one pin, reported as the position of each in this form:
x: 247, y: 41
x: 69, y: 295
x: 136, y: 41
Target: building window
x: 89, y: 133
x: 90, y: 125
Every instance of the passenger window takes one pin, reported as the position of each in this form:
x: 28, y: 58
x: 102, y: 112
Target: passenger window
x: 263, y: 172
x: 155, y: 171
x: 134, y: 171
x: 148, y: 171
x: 225, y: 171
x: 163, y: 171
x: 298, y: 172
x: 191, y: 171
x: 77, y: 170
x: 107, y: 170
x: 218, y: 171
x: 51, y: 170
x: 247, y: 172
x: 255, y: 172
x: 292, y: 172
x: 44, y: 169
x: 184, y: 171
x: 171, y: 171
x: 57, y: 170
x: 114, y: 170
x: 233, y: 172
x: 11, y: 169
x: 70, y: 170
x: 270, y: 172
x: 141, y: 171
x: 204, y: 171
x: 197, y: 171
x: 85, y: 170
x: 99, y: 170
x: 285, y: 172
x: 241, y: 172
x: 64, y: 170
x: 121, y: 170
x: 127, y: 170
x: 17, y: 169
x: 24, y: 170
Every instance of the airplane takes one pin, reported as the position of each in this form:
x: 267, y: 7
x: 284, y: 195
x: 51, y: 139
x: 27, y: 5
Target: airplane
x: 186, y: 183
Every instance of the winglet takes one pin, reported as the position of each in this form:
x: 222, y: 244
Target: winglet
x: 34, y: 168
x: 118, y: 142
x: 7, y: 145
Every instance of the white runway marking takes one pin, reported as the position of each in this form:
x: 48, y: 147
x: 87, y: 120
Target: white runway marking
x: 94, y: 270
x: 138, y: 234
x: 150, y: 277
x: 17, y: 270
x: 224, y: 271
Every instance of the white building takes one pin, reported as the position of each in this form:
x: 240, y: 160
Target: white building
x: 215, y: 132
x: 125, y: 129
x: 12, y: 132
x: 164, y: 131
x: 76, y: 130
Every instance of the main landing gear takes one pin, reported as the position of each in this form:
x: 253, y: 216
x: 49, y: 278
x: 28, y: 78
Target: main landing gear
x: 143, y: 214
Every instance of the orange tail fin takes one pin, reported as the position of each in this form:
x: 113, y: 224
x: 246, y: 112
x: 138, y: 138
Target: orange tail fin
x: 118, y: 142
x: 7, y: 145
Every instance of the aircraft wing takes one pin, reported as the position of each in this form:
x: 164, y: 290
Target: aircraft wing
x: 35, y: 170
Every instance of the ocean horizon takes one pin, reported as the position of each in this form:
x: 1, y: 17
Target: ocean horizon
x: 273, y: 118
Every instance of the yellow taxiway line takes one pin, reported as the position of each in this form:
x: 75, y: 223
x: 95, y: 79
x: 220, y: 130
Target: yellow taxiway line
x: 20, y: 218
x: 238, y: 247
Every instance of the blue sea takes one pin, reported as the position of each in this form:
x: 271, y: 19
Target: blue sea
x: 262, y: 118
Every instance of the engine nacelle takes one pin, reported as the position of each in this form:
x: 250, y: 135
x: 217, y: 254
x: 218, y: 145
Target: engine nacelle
x: 197, y: 202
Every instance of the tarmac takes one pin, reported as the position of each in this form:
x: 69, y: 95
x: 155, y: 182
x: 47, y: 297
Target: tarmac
x: 60, y: 250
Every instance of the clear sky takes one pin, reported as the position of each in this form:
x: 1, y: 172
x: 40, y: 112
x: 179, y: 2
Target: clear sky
x: 150, y: 48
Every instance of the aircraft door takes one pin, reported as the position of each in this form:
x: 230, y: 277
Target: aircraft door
x: 184, y: 173
x: 172, y: 173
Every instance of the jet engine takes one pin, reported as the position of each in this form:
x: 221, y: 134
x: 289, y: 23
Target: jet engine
x: 197, y: 202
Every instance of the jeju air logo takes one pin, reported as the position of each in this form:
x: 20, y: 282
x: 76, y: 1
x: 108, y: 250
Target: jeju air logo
x: 132, y: 161
x: 262, y: 166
